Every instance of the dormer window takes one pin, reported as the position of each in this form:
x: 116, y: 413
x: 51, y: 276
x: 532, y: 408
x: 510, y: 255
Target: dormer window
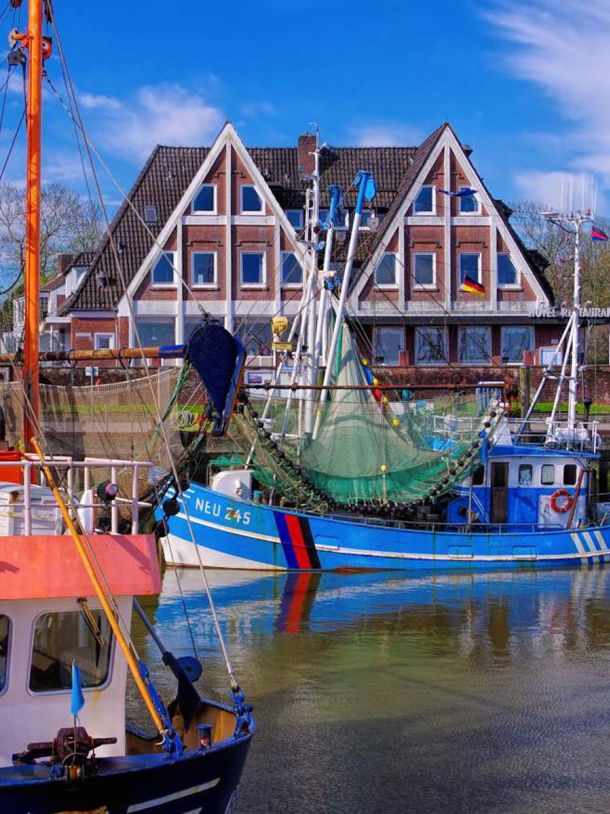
x: 250, y: 200
x: 150, y: 214
x: 205, y: 199
x: 425, y: 203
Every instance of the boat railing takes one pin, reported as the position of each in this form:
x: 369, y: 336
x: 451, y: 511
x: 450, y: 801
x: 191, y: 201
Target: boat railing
x: 455, y: 528
x: 88, y: 471
x: 584, y: 438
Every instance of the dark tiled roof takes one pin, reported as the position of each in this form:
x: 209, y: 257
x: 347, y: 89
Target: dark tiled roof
x: 167, y: 174
x: 162, y: 183
x: 169, y: 170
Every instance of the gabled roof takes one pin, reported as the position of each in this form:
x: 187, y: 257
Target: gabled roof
x: 168, y: 173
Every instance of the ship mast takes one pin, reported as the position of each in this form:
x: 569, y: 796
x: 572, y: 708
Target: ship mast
x: 34, y: 42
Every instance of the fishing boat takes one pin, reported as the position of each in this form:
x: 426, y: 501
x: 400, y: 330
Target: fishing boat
x: 72, y: 562
x: 342, y: 471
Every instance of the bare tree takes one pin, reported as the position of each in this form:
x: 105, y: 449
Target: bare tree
x: 68, y: 224
x: 557, y: 246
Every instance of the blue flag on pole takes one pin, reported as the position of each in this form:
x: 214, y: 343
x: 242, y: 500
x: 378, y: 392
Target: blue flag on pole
x: 78, y: 699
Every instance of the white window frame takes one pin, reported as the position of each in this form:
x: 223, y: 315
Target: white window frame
x: 154, y: 320
x: 443, y: 331
x: 377, y: 331
x: 487, y: 330
x: 532, y: 343
x: 213, y: 284
x: 387, y: 286
x: 172, y: 257
x: 476, y: 211
x: 263, y: 283
x: 243, y: 211
x: 430, y: 211
x: 301, y: 214
x: 283, y: 253
x: 371, y: 214
x: 99, y: 334
x: 516, y: 286
x: 212, y: 211
x: 479, y: 256
x: 423, y: 286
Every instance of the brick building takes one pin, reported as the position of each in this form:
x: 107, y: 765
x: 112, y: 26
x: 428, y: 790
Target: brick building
x: 218, y: 228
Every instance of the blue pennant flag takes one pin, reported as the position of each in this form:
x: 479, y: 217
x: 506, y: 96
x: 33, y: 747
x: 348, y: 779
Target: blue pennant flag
x: 78, y: 699
x: 465, y: 192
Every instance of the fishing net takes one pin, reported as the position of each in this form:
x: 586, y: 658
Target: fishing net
x: 116, y: 420
x: 368, y: 449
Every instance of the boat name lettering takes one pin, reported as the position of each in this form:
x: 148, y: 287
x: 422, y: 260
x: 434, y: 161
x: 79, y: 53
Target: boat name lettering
x: 215, y: 510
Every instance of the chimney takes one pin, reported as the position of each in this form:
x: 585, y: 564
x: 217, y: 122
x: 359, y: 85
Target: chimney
x: 63, y: 261
x: 307, y: 144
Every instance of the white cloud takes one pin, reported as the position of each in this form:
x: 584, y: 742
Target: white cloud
x: 563, y: 48
x: 93, y: 101
x: 158, y: 114
x: 387, y: 135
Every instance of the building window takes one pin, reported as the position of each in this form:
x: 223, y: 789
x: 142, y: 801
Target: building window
x: 292, y: 270
x: 365, y: 218
x: 341, y: 218
x: 156, y: 332
x: 547, y: 474
x: 163, y: 269
x: 430, y: 346
x: 256, y: 337
x: 469, y: 203
x: 5, y: 635
x: 425, y: 201
x: 252, y: 268
x: 474, y: 345
x: 251, y: 201
x: 203, y: 269
x: 385, y: 273
x: 569, y: 475
x: 295, y: 218
x: 515, y: 340
x: 424, y: 270
x: 65, y: 637
x: 150, y: 214
x: 525, y: 475
x: 507, y: 273
x: 387, y: 343
x: 103, y: 341
x: 205, y: 199
x: 470, y: 266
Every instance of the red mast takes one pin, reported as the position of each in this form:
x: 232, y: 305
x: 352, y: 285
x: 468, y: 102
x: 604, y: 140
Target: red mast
x: 34, y: 41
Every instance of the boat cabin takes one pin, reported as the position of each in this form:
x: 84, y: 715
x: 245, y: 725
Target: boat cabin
x: 49, y: 619
x: 526, y: 488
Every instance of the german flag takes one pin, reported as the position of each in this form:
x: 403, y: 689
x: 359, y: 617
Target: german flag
x: 470, y: 285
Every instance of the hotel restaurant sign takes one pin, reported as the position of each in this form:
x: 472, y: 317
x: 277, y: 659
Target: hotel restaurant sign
x: 564, y: 311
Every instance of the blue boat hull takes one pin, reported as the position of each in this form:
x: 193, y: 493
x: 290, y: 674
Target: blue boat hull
x: 204, y: 781
x: 232, y: 533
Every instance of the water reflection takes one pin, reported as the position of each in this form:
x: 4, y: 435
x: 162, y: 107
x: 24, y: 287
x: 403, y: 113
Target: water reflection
x: 388, y: 692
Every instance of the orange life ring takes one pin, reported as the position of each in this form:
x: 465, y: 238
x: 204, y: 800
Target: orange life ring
x: 566, y: 505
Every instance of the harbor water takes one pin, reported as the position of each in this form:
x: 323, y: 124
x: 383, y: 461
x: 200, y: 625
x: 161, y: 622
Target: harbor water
x: 394, y: 693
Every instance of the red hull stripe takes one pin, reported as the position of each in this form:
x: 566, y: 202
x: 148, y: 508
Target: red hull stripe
x: 298, y: 543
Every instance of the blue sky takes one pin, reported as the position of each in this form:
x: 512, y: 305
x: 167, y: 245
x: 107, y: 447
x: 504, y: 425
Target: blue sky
x: 525, y: 83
